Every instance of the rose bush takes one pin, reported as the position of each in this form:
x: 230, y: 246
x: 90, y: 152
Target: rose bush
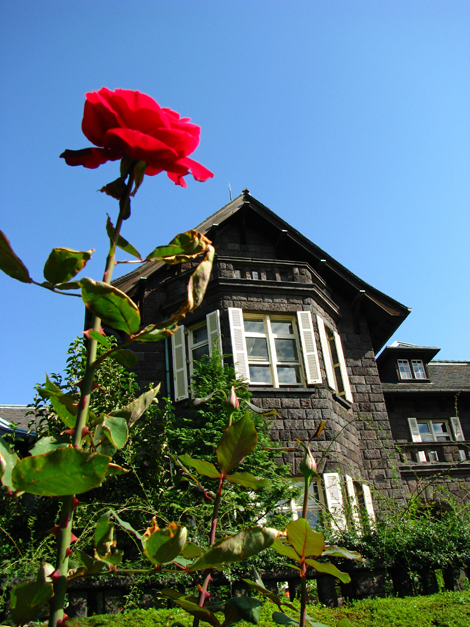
x: 127, y: 123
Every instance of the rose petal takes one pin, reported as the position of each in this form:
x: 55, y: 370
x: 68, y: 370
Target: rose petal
x: 98, y: 118
x: 178, y: 179
x: 138, y: 111
x: 90, y: 157
x: 183, y: 142
x: 139, y: 146
x: 199, y: 172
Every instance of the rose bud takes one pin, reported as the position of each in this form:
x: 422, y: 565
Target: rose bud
x: 308, y: 466
x: 232, y: 400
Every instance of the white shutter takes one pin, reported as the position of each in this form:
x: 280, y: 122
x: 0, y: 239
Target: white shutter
x: 309, y: 347
x: 180, y: 370
x: 457, y: 429
x: 237, y: 334
x: 213, y: 333
x: 343, y: 368
x: 330, y: 375
x: 334, y: 498
x: 368, y: 502
x: 353, y: 501
x: 416, y: 437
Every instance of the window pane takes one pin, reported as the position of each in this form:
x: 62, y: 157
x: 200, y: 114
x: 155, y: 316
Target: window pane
x: 200, y: 335
x: 288, y: 374
x: 440, y: 431
x: 426, y: 435
x: 255, y: 275
x: 284, y: 327
x: 260, y: 374
x: 257, y: 348
x: 254, y: 326
x: 286, y: 350
x: 418, y: 369
x: 200, y: 352
x: 404, y: 368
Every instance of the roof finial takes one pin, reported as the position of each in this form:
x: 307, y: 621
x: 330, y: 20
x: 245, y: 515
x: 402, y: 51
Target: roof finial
x: 245, y: 192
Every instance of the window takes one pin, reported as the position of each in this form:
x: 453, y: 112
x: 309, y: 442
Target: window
x: 315, y: 504
x: 335, y: 363
x: 195, y: 343
x: 360, y: 511
x: 434, y: 431
x: 277, y: 351
x: 415, y: 371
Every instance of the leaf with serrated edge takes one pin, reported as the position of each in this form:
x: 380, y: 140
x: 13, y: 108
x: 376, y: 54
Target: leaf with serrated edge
x: 49, y: 443
x: 285, y: 549
x: 116, y: 430
x: 68, y: 418
x: 305, y: 541
x: 248, y: 609
x: 156, y: 332
x: 203, y: 468
x: 199, y: 281
x: 183, y: 247
x: 63, y: 472
x: 247, y: 480
x: 121, y: 242
x: 27, y: 600
x: 191, y: 550
x: 264, y: 591
x: 163, y: 545
x: 11, y: 264
x: 199, y: 612
x: 125, y: 525
x: 9, y: 461
x: 338, y: 551
x: 125, y: 357
x: 134, y: 410
x: 326, y: 567
x: 236, y: 548
x: 101, y: 339
x: 64, y: 263
x: 115, y: 308
x: 282, y: 619
x: 237, y: 441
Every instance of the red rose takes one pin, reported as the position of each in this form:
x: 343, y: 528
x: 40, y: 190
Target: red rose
x: 128, y: 123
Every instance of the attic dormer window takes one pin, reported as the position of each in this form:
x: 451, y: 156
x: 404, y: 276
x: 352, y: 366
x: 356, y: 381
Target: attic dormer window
x: 415, y: 371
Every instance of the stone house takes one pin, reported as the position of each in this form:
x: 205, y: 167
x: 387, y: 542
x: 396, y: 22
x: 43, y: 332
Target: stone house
x: 305, y: 332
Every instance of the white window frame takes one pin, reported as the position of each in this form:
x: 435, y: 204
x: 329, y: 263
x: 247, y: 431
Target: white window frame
x: 456, y: 432
x: 182, y: 346
x: 335, y: 372
x: 316, y: 500
x: 411, y: 370
x: 303, y: 336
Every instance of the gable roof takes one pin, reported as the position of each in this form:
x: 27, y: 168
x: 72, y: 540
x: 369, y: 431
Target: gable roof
x: 384, y: 314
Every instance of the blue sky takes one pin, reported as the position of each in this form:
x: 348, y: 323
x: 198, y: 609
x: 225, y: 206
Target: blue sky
x: 348, y: 119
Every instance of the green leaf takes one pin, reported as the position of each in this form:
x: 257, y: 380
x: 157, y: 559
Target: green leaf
x: 115, y: 430
x: 101, y: 339
x: 191, y: 550
x: 10, y: 263
x: 326, y: 567
x: 164, y: 545
x: 125, y: 357
x: 8, y: 460
x: 260, y: 410
x: 203, y: 468
x: 337, y: 551
x: 236, y: 443
x: 121, y: 242
x: 246, y: 608
x: 199, y: 281
x: 344, y: 623
x: 63, y: 472
x: 115, y: 470
x: 125, y: 525
x: 92, y: 566
x: 49, y: 443
x: 247, y: 480
x: 305, y: 541
x: 285, y: 549
x: 193, y: 609
x: 282, y: 619
x: 264, y: 591
x: 156, y: 332
x: 114, y: 307
x: 70, y: 285
x: 236, y: 548
x: 134, y: 410
x: 105, y: 544
x: 66, y: 408
x: 27, y: 600
x: 63, y: 264
x: 139, y: 171
x: 183, y: 247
